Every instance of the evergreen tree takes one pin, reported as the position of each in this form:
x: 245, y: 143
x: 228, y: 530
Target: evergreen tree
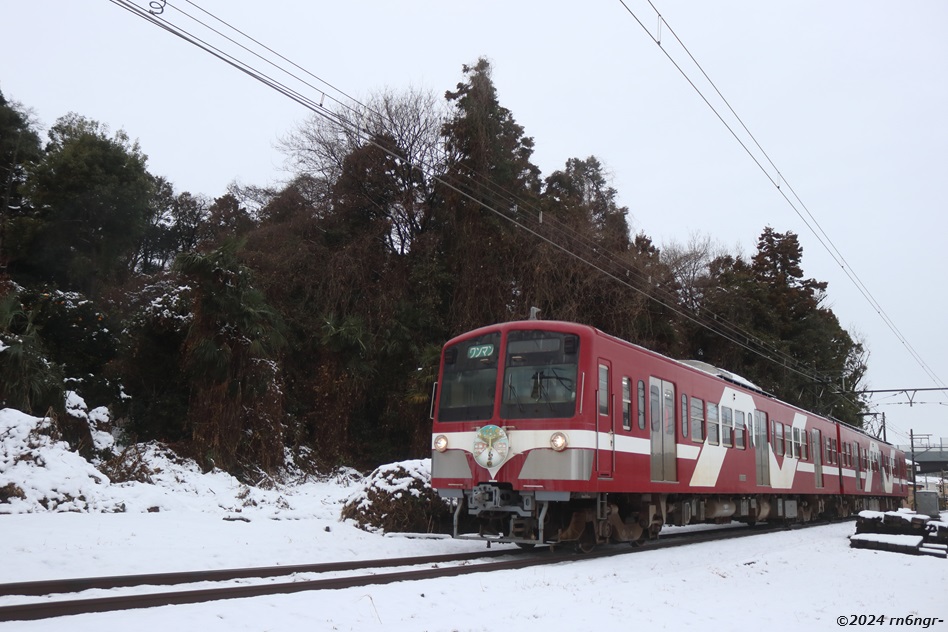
x: 175, y: 223
x: 488, y: 172
x: 231, y: 357
x: 19, y: 147
x: 780, y: 335
x: 89, y: 196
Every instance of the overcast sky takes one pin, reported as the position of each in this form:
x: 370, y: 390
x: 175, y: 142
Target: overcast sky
x: 847, y: 98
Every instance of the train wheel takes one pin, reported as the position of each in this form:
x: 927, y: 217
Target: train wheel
x: 587, y: 541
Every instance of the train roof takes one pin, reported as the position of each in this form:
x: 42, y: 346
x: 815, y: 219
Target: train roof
x: 724, y: 375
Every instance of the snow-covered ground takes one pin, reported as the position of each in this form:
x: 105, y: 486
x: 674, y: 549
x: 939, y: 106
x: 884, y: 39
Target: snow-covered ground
x: 805, y: 579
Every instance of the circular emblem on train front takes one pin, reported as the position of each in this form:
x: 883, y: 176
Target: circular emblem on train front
x: 491, y: 446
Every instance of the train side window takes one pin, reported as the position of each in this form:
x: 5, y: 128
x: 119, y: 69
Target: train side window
x: 603, y: 389
x: 714, y: 429
x: 655, y: 406
x: 727, y: 425
x: 684, y: 415
x: 739, y: 429
x: 697, y: 419
x: 796, y: 442
x: 626, y: 403
x: 668, y: 394
x: 641, y: 405
x: 804, y: 446
x: 778, y: 438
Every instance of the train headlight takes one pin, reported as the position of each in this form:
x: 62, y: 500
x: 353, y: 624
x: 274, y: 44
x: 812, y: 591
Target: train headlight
x: 441, y: 443
x: 558, y: 441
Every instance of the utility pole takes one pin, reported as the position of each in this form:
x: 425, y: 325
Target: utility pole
x: 914, y: 484
x: 914, y: 469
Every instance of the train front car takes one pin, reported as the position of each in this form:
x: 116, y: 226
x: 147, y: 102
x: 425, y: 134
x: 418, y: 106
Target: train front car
x: 512, y: 433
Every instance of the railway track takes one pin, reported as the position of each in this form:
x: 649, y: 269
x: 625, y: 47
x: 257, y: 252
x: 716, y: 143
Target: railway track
x: 434, y: 566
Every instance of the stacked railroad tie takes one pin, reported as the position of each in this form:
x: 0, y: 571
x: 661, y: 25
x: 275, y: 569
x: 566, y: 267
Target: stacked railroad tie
x: 902, y: 531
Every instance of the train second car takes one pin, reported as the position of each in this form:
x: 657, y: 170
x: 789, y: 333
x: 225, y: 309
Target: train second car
x: 553, y: 432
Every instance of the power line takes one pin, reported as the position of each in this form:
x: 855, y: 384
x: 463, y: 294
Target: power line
x: 814, y: 227
x: 548, y: 229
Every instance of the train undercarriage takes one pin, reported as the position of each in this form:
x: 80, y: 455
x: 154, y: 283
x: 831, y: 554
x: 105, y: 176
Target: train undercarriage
x: 501, y: 514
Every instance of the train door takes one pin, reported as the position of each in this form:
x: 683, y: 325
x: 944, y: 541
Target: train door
x: 816, y: 449
x: 664, y: 455
x: 858, y: 461
x: 605, y: 435
x: 761, y: 449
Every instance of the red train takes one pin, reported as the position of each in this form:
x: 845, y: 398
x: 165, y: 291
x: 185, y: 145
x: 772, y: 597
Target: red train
x: 553, y: 432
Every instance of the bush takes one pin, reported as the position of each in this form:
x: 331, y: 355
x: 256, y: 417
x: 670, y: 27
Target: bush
x: 398, y: 498
x: 29, y: 380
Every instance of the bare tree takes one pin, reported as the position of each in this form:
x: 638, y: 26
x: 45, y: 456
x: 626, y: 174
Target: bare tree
x: 689, y: 264
x: 405, y: 127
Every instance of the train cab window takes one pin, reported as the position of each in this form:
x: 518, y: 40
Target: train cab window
x: 727, y: 426
x: 626, y: 403
x: 469, y: 379
x: 778, y: 438
x: 684, y: 415
x: 739, y: 426
x: 697, y: 419
x: 540, y: 375
x: 641, y: 409
x: 714, y: 430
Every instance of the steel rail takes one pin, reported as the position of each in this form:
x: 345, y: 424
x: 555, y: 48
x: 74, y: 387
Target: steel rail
x: 53, y: 586
x: 51, y: 609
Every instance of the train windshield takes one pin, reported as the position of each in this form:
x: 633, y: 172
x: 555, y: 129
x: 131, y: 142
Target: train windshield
x: 470, y: 379
x: 540, y: 375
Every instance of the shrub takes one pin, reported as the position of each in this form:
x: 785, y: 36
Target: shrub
x: 398, y: 498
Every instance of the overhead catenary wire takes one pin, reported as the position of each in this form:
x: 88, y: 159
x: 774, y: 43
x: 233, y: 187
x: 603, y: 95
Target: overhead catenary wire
x: 469, y: 188
x: 778, y: 180
x: 733, y: 336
